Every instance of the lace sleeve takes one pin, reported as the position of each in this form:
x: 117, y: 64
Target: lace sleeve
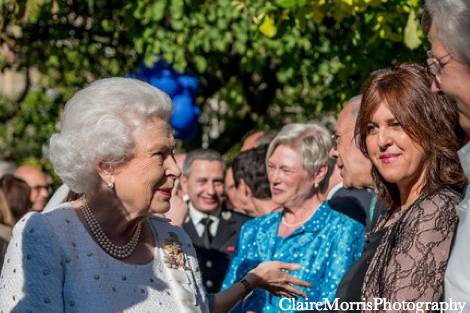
x: 409, y: 264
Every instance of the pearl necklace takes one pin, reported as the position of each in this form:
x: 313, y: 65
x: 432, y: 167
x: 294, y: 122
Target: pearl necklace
x: 116, y: 251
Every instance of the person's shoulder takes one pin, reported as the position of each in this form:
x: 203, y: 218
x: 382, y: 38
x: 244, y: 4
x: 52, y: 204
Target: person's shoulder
x: 163, y: 225
x: 234, y: 219
x: 442, y: 201
x: 45, y: 229
x: 230, y: 215
x: 265, y: 219
x: 254, y: 223
x: 32, y: 225
x: 350, y: 207
x: 450, y: 195
x: 61, y: 216
x: 363, y: 196
x: 339, y: 217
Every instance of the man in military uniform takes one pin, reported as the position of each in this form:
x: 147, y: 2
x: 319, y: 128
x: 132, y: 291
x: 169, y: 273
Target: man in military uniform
x: 213, y: 229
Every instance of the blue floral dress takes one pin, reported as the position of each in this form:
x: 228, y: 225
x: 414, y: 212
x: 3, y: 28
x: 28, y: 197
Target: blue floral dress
x: 326, y: 246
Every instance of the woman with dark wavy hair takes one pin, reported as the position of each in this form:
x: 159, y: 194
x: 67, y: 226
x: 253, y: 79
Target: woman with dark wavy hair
x: 409, y: 134
x: 17, y: 197
x: 14, y: 203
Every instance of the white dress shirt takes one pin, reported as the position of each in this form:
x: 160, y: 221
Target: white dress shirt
x: 196, y: 217
x: 457, y: 277
x: 333, y: 190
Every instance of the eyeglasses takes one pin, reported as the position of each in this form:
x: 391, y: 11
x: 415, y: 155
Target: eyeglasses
x: 335, y: 137
x: 436, y: 65
x: 40, y: 187
x: 334, y: 141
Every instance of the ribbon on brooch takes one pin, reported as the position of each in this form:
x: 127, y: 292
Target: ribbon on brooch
x: 180, y: 276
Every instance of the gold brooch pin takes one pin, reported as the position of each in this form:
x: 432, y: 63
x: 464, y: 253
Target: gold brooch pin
x: 174, y: 254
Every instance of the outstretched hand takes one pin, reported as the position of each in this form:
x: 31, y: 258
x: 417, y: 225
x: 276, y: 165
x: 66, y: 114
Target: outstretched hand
x: 273, y: 276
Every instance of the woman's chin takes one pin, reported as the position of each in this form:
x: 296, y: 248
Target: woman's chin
x: 280, y: 201
x: 159, y: 209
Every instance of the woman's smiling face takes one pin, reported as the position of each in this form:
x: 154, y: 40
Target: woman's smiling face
x: 144, y: 183
x: 397, y: 157
x: 289, y: 180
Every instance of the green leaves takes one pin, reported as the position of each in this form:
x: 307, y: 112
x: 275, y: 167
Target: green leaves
x: 201, y: 63
x: 158, y: 10
x: 268, y: 28
x: 289, y: 4
x: 411, y: 35
x: 264, y: 62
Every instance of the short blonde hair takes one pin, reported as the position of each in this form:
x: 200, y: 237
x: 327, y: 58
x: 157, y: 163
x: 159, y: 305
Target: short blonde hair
x: 311, y: 140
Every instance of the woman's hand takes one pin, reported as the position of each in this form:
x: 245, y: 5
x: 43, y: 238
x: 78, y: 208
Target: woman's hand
x: 178, y: 208
x: 273, y: 276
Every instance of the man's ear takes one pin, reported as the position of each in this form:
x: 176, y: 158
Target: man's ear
x: 320, y: 174
x: 245, y: 189
x: 105, y: 171
x: 184, y: 184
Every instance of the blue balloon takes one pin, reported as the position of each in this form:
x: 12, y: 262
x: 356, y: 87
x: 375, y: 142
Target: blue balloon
x: 182, y: 88
x: 189, y: 83
x: 159, y: 67
x: 187, y: 133
x: 185, y: 112
x: 166, y: 82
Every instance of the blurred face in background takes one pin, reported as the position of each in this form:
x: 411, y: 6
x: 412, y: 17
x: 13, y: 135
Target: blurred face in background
x: 39, y: 184
x: 354, y: 167
x: 250, y: 141
x: 451, y: 76
x: 290, y: 182
x: 231, y: 191
x: 205, y: 185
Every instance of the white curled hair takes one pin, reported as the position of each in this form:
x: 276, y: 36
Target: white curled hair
x: 98, y: 125
x: 452, y: 18
x: 311, y: 140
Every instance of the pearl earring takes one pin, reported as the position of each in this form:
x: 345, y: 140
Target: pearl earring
x: 110, y: 185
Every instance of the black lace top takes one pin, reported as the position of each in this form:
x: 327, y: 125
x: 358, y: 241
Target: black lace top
x: 411, y: 258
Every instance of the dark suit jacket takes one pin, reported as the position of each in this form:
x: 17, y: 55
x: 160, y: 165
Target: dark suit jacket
x: 215, y: 261
x: 355, y: 204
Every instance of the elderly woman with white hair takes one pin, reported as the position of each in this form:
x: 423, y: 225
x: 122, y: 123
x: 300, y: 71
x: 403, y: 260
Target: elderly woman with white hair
x: 106, y: 252
x: 325, y: 242
x: 447, y: 23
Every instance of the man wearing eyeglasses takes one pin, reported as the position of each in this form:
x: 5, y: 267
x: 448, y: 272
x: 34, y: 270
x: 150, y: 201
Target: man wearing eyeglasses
x: 447, y: 23
x: 449, y: 57
x: 38, y: 182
